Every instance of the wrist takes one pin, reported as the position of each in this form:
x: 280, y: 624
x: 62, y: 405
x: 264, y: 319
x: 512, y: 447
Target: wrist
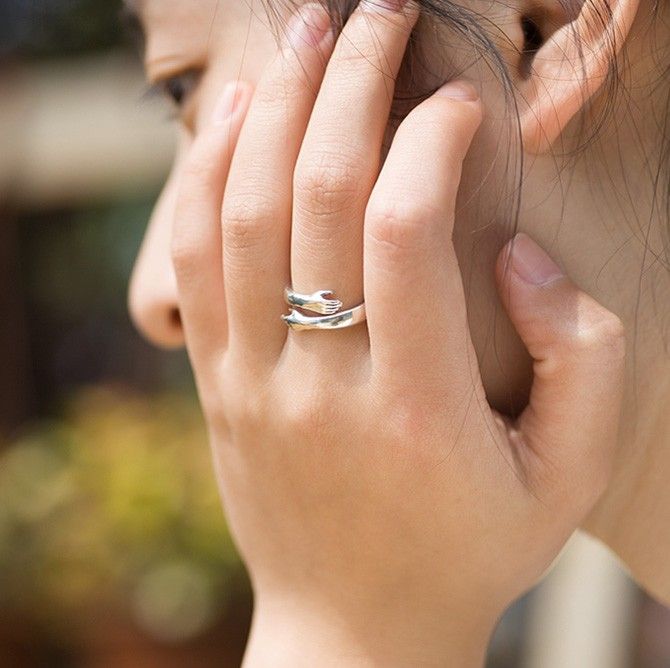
x: 289, y: 633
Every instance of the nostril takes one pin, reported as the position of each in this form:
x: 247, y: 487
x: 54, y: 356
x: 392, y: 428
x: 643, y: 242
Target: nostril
x: 170, y: 333
x: 157, y: 318
x: 175, y: 318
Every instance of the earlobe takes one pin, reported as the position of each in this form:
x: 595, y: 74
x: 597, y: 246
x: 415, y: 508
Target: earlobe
x: 569, y: 67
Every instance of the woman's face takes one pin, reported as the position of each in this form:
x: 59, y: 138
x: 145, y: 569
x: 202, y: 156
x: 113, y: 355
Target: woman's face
x: 193, y: 48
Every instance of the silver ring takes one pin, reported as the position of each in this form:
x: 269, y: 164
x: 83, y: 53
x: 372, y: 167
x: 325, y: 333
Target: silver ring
x: 326, y: 305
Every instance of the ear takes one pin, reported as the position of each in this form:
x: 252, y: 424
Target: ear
x: 568, y: 53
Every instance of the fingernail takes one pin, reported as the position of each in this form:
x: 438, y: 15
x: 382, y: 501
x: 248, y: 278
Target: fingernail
x: 308, y: 26
x: 531, y: 263
x: 459, y: 90
x: 227, y: 103
x: 385, y: 5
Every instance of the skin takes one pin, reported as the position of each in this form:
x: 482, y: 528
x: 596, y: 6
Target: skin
x: 527, y: 483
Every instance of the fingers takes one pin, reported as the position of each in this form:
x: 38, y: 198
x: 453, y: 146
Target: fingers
x: 578, y: 349
x: 258, y: 200
x: 340, y: 157
x: 196, y: 234
x: 413, y: 291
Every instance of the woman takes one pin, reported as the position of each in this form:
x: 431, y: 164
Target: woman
x: 386, y: 492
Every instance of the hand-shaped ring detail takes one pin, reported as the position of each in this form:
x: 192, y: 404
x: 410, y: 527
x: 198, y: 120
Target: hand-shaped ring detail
x: 321, y: 301
x: 324, y: 303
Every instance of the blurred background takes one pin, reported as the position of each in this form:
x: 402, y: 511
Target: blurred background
x: 113, y: 548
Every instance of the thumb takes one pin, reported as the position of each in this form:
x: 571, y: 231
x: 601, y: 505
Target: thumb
x: 578, y: 349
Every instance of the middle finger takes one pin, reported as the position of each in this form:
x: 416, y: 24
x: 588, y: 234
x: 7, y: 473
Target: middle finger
x: 340, y: 156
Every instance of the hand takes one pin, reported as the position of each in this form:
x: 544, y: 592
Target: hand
x: 386, y: 514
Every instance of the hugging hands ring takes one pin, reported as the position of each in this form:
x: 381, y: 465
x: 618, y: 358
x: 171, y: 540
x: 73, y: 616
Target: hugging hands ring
x: 386, y: 514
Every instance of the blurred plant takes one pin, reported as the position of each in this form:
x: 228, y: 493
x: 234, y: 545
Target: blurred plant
x: 116, y: 504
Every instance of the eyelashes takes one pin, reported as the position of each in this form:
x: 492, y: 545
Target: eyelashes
x: 177, y: 89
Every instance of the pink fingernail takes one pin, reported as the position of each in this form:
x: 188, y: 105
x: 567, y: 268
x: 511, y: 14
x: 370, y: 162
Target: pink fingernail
x: 308, y: 26
x: 531, y: 263
x: 459, y: 90
x: 227, y: 103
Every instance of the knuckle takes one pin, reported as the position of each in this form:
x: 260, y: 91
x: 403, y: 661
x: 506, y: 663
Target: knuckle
x: 359, y: 57
x: 404, y: 417
x: 272, y: 90
x: 245, y: 220
x: 271, y: 99
x: 327, y: 181
x: 365, y: 31
x: 308, y: 412
x: 244, y: 412
x: 244, y: 406
x: 286, y: 77
x: 397, y: 226
x: 604, y: 335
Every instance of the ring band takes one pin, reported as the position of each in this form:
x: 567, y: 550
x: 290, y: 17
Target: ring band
x: 326, y: 305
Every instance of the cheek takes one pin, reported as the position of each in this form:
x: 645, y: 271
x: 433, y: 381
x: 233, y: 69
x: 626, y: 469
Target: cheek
x: 243, y: 48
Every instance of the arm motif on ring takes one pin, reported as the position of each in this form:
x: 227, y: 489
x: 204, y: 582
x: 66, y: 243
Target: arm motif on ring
x: 323, y: 302
x: 317, y: 302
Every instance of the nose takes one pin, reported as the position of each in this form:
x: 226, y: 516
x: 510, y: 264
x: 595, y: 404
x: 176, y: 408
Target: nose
x: 153, y: 302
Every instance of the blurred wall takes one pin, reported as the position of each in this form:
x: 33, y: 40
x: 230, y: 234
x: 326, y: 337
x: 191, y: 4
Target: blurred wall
x: 75, y: 131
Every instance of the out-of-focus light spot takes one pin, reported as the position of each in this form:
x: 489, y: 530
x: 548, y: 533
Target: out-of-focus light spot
x: 175, y: 602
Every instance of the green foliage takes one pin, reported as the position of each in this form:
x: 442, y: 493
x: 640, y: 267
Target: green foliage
x: 116, y: 503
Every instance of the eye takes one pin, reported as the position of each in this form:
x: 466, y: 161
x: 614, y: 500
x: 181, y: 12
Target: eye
x: 178, y: 88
